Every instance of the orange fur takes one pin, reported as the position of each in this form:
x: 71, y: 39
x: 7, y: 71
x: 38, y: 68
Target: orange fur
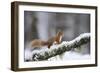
x: 38, y: 43
x: 54, y: 40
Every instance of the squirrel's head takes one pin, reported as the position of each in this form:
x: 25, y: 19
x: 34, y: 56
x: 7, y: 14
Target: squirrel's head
x: 60, y: 33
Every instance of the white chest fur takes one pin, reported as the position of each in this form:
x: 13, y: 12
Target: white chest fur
x: 60, y: 38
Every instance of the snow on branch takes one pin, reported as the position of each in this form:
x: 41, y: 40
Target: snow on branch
x: 55, y: 50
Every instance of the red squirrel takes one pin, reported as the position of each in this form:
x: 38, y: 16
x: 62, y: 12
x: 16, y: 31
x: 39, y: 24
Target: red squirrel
x: 53, y: 40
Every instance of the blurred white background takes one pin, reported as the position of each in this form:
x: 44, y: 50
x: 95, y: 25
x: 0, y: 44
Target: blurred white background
x: 5, y: 36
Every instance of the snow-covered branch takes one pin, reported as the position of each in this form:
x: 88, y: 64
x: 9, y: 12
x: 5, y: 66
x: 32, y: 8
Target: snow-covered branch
x: 38, y: 55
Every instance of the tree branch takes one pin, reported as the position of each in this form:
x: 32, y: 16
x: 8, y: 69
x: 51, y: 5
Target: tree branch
x: 61, y: 48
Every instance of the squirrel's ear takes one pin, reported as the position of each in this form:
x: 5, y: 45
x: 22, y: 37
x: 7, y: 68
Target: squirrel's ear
x: 60, y: 31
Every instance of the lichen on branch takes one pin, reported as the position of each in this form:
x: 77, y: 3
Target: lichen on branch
x: 38, y: 55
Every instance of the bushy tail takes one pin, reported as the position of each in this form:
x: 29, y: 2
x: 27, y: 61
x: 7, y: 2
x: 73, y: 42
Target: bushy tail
x: 45, y: 43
